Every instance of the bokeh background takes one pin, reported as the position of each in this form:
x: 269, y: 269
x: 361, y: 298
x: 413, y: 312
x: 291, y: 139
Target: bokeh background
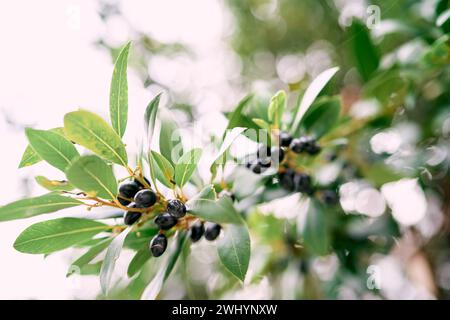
x: 206, y: 55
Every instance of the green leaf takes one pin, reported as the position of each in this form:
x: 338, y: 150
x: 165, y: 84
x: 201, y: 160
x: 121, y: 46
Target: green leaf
x: 138, y: 261
x: 316, y: 236
x: 93, y: 252
x: 311, y: 94
x: 389, y: 87
x: 52, y: 147
x: 118, y: 94
x: 150, y: 118
x: 31, y: 207
x: 234, y: 250
x: 237, y: 117
x: 109, y: 263
x: 365, y: 53
x: 164, y: 170
x: 53, y: 185
x: 439, y: 52
x: 207, y: 192
x: 276, y: 108
x: 226, y: 144
x: 322, y: 116
x: 167, y: 146
x: 54, y: 235
x: 93, y: 176
x: 262, y: 124
x: 186, y: 166
x: 30, y: 156
x: 218, y: 211
x: 92, y: 132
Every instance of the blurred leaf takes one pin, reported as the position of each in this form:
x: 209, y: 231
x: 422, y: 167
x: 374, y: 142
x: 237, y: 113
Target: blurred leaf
x: 118, y: 94
x: 439, y: 52
x: 218, y: 211
x: 311, y: 94
x: 388, y: 87
x: 30, y: 156
x: 443, y: 21
x: 322, y: 116
x: 186, y: 166
x: 380, y: 174
x: 93, y: 176
x: 150, y: 118
x: 53, y: 185
x: 54, y: 235
x: 164, y: 170
x: 262, y: 124
x: 52, y: 147
x: 316, y: 236
x: 234, y: 250
x: 276, y: 108
x: 92, y: 132
x: 109, y: 263
x: 364, y: 51
x: 87, y: 257
x: 138, y: 261
x: 31, y: 207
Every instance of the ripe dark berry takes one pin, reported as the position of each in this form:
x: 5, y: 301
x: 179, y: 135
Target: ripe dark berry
x: 123, y: 202
x: 256, y: 168
x: 313, y: 148
x: 330, y: 197
x: 145, y: 198
x: 212, y: 231
x: 128, y: 189
x: 285, y: 139
x: 141, y: 186
x: 165, y: 221
x: 302, y: 183
x: 176, y: 208
x: 287, y: 180
x: 158, y: 245
x: 197, y: 231
x: 297, y: 146
x: 131, y: 217
x: 277, y: 154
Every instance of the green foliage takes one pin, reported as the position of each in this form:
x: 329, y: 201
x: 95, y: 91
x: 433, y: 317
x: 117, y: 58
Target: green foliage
x: 163, y: 169
x: 30, y: 156
x: 31, y: 207
x: 219, y: 211
x: 186, y: 166
x: 364, y: 51
x: 93, y: 176
x: 315, y: 232
x: 112, y: 254
x: 54, y: 235
x: 92, y: 132
x: 234, y: 250
x: 118, y: 96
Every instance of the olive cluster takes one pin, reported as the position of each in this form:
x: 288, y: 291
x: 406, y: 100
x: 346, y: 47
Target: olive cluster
x: 303, y: 144
x: 209, y: 230
x: 166, y: 220
x: 133, y: 195
x: 265, y: 158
